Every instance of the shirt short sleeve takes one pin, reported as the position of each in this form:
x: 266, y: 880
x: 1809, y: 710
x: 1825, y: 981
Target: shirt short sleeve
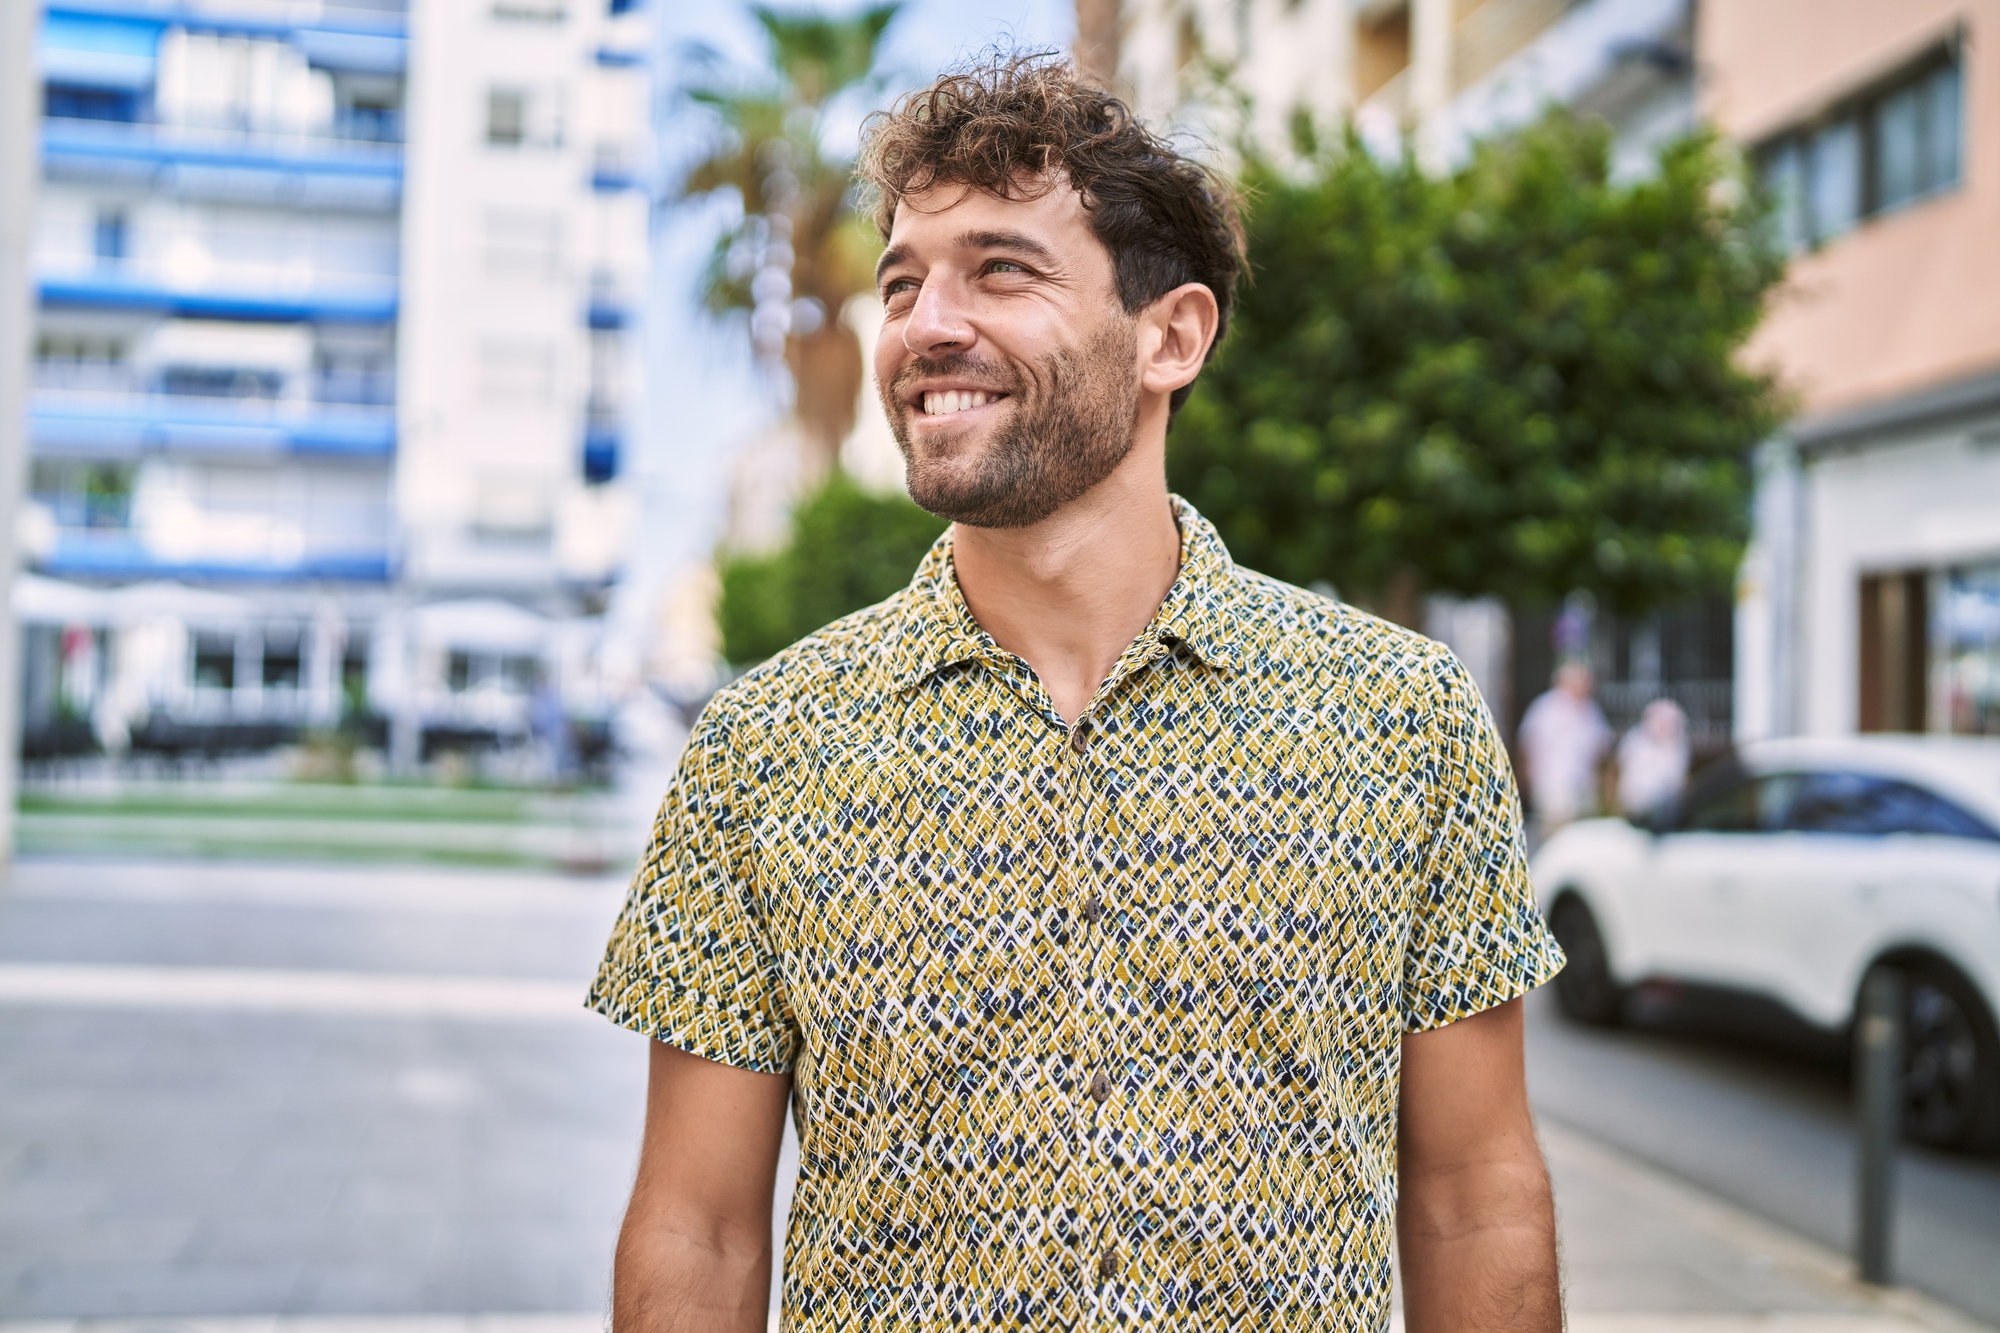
x: 1476, y: 937
x: 690, y: 961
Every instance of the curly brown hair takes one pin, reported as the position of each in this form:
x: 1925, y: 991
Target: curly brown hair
x: 1017, y: 124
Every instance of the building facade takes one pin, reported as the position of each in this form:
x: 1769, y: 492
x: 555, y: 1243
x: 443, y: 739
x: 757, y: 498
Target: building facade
x: 1871, y: 597
x: 334, y: 329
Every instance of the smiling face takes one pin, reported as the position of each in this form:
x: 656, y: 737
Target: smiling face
x: 1007, y: 365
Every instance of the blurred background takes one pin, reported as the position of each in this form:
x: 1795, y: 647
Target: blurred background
x: 410, y: 415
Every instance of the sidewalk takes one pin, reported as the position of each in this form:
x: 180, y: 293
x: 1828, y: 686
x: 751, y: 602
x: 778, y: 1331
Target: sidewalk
x: 1643, y: 1252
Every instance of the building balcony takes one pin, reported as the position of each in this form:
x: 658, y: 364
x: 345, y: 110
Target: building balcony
x: 110, y: 554
x: 250, y: 18
x: 109, y: 423
x: 603, y: 438
x: 359, y: 166
x: 614, y: 167
x: 611, y: 302
x: 155, y: 532
x: 233, y: 292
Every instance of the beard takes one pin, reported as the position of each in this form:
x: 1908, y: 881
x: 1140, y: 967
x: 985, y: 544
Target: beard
x: 1070, y: 425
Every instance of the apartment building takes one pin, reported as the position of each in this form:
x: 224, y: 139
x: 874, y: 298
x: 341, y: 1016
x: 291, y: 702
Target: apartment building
x: 334, y: 356
x: 1446, y: 73
x: 1871, y: 597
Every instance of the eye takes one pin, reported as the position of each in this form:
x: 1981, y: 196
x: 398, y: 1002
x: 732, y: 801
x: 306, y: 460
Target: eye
x: 898, y: 287
x: 1004, y: 266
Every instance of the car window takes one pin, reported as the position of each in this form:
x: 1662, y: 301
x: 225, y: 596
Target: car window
x: 1741, y: 805
x: 1860, y: 805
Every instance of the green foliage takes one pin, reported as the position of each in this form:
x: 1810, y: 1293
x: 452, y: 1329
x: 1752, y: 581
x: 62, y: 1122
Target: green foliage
x: 1518, y: 379
x: 772, y: 123
x: 849, y: 548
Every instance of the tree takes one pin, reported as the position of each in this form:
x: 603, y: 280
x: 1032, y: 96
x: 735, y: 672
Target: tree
x: 849, y: 547
x: 800, y: 251
x: 1518, y: 379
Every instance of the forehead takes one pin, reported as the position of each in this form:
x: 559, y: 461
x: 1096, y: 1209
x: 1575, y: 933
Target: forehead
x: 954, y: 216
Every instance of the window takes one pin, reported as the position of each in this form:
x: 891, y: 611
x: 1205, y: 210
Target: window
x: 1735, y: 803
x: 1967, y: 661
x: 214, y: 660
x: 526, y: 116
x: 85, y: 495
x: 368, y: 107
x: 283, y: 657
x: 67, y: 102
x: 509, y: 673
x: 107, y: 237
x: 1858, y: 805
x: 506, y: 117
x: 221, y: 382
x: 528, y: 11
x: 1892, y: 146
x: 80, y: 347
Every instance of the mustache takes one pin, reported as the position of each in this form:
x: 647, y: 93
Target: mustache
x: 956, y: 365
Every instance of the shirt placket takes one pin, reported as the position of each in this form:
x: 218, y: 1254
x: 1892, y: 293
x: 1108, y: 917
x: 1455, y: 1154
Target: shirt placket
x: 1096, y: 1084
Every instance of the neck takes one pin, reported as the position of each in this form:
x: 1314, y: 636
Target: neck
x: 1069, y: 594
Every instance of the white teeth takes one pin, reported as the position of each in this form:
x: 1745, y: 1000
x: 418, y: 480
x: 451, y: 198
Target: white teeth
x: 954, y: 400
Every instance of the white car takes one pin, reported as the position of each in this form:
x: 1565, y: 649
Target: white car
x: 1791, y: 870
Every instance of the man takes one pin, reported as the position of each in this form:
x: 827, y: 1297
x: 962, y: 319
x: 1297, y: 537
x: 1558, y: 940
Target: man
x: 1564, y: 739
x: 1120, y: 923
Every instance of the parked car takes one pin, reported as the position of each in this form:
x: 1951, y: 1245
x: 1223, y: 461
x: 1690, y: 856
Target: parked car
x: 1791, y: 870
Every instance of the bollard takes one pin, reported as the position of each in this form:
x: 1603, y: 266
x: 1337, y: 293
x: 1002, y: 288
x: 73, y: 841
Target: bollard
x: 1878, y: 1086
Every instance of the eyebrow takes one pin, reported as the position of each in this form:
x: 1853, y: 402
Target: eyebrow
x: 1017, y: 241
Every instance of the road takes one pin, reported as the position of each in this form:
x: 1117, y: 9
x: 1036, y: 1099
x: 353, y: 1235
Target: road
x: 1767, y: 1127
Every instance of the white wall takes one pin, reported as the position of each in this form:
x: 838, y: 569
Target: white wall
x: 1930, y: 500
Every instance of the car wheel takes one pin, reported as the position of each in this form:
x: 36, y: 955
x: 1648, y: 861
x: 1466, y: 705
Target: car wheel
x: 1585, y: 987
x: 1951, y: 1063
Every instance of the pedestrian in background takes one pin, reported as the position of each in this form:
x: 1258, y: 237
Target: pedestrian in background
x: 1653, y: 760
x: 1138, y: 940
x: 1563, y: 742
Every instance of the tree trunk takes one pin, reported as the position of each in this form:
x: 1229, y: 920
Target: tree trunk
x: 1400, y: 601
x: 1097, y: 40
x: 827, y: 370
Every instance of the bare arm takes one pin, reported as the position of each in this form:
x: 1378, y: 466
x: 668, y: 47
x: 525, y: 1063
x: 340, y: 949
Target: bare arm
x: 694, y: 1255
x: 1476, y: 1223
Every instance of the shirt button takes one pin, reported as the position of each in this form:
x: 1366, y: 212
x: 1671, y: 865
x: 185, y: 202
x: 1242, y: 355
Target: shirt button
x: 1093, y: 910
x: 1079, y: 737
x: 1108, y: 1264
x: 1100, y: 1089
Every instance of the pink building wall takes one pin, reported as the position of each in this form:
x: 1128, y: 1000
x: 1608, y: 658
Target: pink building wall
x: 1905, y: 300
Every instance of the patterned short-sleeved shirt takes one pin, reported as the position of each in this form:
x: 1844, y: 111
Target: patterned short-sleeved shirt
x: 1091, y: 1026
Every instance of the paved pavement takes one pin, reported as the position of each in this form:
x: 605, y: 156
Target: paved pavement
x: 249, y: 1099
x: 294, y: 1141
x: 1771, y: 1130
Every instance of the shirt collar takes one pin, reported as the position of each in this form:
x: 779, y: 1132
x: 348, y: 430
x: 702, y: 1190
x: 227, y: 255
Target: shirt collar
x: 1200, y: 609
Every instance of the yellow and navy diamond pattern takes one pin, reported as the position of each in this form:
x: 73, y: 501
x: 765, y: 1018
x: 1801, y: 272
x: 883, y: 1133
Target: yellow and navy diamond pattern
x: 1093, y: 1026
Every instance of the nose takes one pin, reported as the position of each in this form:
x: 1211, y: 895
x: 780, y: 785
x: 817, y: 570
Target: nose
x: 940, y: 321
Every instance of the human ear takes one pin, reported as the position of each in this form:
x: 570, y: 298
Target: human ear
x: 1175, y: 332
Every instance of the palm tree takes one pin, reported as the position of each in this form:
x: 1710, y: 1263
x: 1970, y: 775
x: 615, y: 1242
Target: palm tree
x: 800, y: 251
